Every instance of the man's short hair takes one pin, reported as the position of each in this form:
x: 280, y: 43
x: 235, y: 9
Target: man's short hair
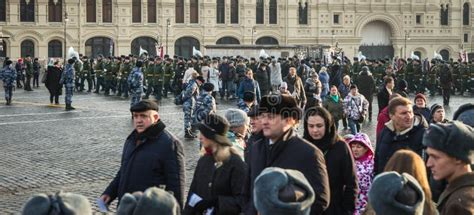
x: 394, y: 103
x: 388, y: 80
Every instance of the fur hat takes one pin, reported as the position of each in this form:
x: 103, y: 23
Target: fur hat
x: 420, y: 96
x: 465, y: 114
x: 208, y: 87
x: 454, y: 138
x: 279, y: 191
x: 283, y: 105
x: 215, y: 127
x: 403, y: 196
x: 144, y: 105
x: 237, y: 117
x: 434, y: 108
x: 152, y: 201
x: 59, y: 203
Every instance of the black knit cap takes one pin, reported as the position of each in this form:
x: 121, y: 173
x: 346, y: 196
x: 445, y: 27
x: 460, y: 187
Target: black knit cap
x: 208, y: 87
x: 283, y: 105
x: 144, y: 105
x: 215, y: 127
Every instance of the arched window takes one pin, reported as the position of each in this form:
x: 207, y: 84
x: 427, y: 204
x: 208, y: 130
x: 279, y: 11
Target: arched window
x: 147, y: 43
x: 99, y: 45
x: 3, y: 49
x: 184, y: 46
x: 445, y: 54
x: 466, y: 10
x: 220, y: 11
x: 273, y: 12
x: 303, y: 13
x: 266, y: 41
x: 151, y: 11
x: 107, y: 11
x: 27, y: 11
x: 136, y: 11
x: 3, y: 11
x: 418, y: 53
x: 91, y: 11
x: 444, y: 14
x: 27, y: 48
x: 194, y: 11
x: 55, y: 11
x: 179, y: 11
x: 55, y: 48
x: 227, y: 41
x: 260, y: 10
x: 234, y: 11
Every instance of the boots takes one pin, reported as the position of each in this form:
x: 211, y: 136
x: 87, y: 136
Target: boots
x: 69, y: 107
x: 189, y: 135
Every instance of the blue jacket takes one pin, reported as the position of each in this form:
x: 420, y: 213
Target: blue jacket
x: 8, y: 75
x: 324, y: 78
x: 248, y: 84
x: 157, y: 161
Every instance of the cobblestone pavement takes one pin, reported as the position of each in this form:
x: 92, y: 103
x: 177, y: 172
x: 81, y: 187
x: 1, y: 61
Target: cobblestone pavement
x: 46, y: 149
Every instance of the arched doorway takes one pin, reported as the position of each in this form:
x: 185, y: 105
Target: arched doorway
x: 445, y: 54
x: 418, y: 53
x: 27, y: 48
x: 99, y: 45
x: 266, y: 41
x: 376, y: 40
x: 55, y: 48
x: 147, y: 43
x: 227, y: 41
x: 184, y: 46
x: 3, y: 49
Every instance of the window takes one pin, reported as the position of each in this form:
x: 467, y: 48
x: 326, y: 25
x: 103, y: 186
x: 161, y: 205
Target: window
x: 107, y: 11
x: 273, y: 12
x: 419, y: 19
x: 91, y: 11
x: 151, y: 11
x: 3, y: 11
x: 136, y: 11
x: 179, y: 10
x: 194, y: 11
x: 335, y: 19
x: 27, y: 11
x: 260, y: 12
x: 465, y: 13
x: 418, y: 53
x: 220, y: 12
x: 303, y: 13
x: 444, y: 13
x: 227, y: 41
x: 267, y: 41
x: 55, y: 48
x: 27, y: 48
x: 234, y: 11
x: 466, y: 38
x: 184, y: 46
x: 99, y: 45
x: 445, y: 54
x: 55, y: 11
x: 146, y: 43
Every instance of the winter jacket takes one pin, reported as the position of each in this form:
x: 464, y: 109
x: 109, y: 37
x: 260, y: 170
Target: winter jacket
x: 251, y: 85
x: 296, y: 88
x: 310, y: 162
x: 344, y: 90
x: 313, y: 93
x: 354, y: 106
x: 365, y: 175
x: 152, y: 158
x: 383, y: 98
x: 263, y: 79
x: 53, y: 75
x: 8, y: 75
x: 366, y: 85
x: 324, y: 78
x: 213, y: 78
x: 382, y: 118
x: 335, y: 108
x: 425, y: 112
x: 275, y: 76
x: 223, y: 183
x: 458, y: 197
x: 225, y: 74
x: 389, y: 141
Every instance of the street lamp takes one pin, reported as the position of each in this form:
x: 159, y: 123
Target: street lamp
x: 407, y: 37
x: 66, y: 19
x: 168, y: 25
x: 254, y: 31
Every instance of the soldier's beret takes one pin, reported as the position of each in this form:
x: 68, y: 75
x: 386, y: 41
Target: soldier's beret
x: 144, y: 105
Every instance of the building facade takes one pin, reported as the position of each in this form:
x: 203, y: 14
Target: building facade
x: 378, y: 28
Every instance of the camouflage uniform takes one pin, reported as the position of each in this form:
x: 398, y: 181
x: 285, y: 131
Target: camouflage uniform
x: 29, y: 75
x: 8, y: 76
x: 124, y: 72
x: 409, y: 76
x: 99, y: 72
x: 205, y: 105
x: 67, y: 78
x: 189, y: 100
x: 418, y: 82
x: 135, y: 81
x: 150, y: 82
x: 432, y: 76
x: 109, y: 77
x: 77, y: 79
x: 158, y: 80
x: 168, y: 75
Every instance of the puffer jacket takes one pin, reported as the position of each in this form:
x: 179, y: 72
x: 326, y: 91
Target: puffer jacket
x: 354, y: 106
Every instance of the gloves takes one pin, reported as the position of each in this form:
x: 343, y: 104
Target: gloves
x: 205, y: 204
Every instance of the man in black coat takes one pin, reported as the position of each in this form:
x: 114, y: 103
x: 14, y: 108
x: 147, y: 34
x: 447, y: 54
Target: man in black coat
x: 384, y: 94
x: 366, y: 85
x: 283, y: 148
x: 151, y: 156
x: 404, y: 131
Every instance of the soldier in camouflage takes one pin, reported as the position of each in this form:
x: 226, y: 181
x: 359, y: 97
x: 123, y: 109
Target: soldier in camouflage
x: 125, y: 69
x: 158, y: 78
x: 189, y: 100
x: 168, y: 76
x: 418, y: 82
x: 108, y: 76
x: 432, y: 76
x: 29, y: 73
x: 135, y: 82
x: 67, y: 78
x: 99, y: 73
x: 149, y: 78
x: 8, y: 76
x: 205, y: 104
x: 78, y: 74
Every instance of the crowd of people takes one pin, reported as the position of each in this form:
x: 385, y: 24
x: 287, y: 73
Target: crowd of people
x: 253, y: 161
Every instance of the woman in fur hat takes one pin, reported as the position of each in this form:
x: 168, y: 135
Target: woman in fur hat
x: 219, y: 174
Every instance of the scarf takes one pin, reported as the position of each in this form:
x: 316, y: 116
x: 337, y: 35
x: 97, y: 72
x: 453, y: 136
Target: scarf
x: 335, y: 98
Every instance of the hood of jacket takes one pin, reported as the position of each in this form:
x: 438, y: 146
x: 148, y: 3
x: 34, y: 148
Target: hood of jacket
x: 418, y: 121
